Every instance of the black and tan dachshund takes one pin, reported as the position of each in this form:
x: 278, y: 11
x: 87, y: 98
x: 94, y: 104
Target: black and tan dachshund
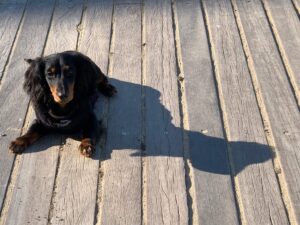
x: 63, y: 88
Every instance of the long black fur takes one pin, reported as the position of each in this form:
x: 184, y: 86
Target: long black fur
x: 75, y: 116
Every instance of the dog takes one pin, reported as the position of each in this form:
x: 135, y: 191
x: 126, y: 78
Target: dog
x: 63, y: 88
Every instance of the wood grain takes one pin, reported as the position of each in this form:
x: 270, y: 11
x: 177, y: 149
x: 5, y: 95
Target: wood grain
x: 96, y: 34
x: 74, y: 196
x: 214, y: 195
x: 121, y: 193
x: 256, y: 185
x: 64, y: 29
x: 30, y: 201
x: 11, y: 14
x: 76, y: 185
x: 12, y: 96
x: 166, y: 199
x: 297, y: 6
x: 38, y: 200
x: 96, y: 31
x: 218, y: 79
x: 286, y: 29
x: 77, y: 180
x: 277, y: 96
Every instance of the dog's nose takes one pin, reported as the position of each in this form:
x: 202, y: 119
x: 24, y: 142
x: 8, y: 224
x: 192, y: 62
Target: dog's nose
x: 61, y: 95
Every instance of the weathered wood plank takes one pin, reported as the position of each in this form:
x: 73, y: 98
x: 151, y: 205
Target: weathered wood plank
x: 297, y: 5
x: 121, y: 193
x: 277, y: 98
x: 72, y: 203
x: 286, y: 29
x: 64, y: 29
x: 255, y: 180
x: 76, y: 187
x: 65, y: 19
x: 13, y: 100
x: 30, y: 201
x: 214, y: 200
x: 10, y: 17
x: 96, y: 35
x: 96, y: 30
x: 166, y: 199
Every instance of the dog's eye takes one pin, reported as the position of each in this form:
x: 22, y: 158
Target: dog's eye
x: 50, y: 75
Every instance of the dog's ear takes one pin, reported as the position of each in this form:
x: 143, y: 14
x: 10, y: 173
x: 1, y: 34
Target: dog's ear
x: 29, y: 61
x: 35, y: 82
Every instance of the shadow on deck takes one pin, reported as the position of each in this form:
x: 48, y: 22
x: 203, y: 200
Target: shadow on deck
x: 209, y: 154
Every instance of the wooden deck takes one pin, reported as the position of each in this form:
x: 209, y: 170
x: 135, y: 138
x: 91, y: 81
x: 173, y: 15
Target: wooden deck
x: 205, y: 129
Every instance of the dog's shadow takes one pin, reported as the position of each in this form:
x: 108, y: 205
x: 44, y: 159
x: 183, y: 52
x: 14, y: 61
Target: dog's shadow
x: 138, y: 110
x: 163, y: 138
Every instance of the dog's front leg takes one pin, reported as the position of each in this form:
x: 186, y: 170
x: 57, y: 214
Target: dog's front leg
x: 91, y: 133
x: 35, y: 131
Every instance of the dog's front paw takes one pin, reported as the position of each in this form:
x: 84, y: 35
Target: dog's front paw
x: 86, y: 147
x: 19, y: 145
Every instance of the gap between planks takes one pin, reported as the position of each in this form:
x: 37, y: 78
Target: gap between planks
x: 287, y: 66
x: 99, y: 209
x: 15, y: 170
x: 14, y: 174
x: 223, y: 112
x: 56, y: 187
x: 113, y: 196
x: 60, y: 147
x: 189, y: 174
x: 164, y: 100
x: 15, y: 166
x: 99, y: 203
x: 50, y: 25
x: 296, y: 6
x: 13, y: 43
x: 79, y: 26
x: 265, y: 117
x: 143, y: 117
x: 28, y: 115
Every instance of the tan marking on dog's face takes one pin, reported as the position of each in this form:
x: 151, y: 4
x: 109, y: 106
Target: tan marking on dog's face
x: 54, y: 94
x: 57, y: 99
x: 52, y: 70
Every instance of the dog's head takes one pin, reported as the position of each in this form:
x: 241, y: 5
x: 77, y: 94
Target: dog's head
x: 63, y: 76
x: 60, y: 73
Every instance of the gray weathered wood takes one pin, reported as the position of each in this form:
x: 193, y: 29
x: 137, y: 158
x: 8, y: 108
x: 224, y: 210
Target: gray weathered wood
x: 38, y: 196
x: 286, y: 29
x: 10, y: 17
x: 121, y: 193
x: 297, y: 6
x: 32, y: 193
x: 96, y: 31
x: 95, y: 43
x: 73, y: 202
x: 208, y: 151
x: 76, y: 187
x: 64, y: 29
x: 166, y: 199
x: 256, y: 184
x: 277, y: 96
x: 128, y: 189
x: 13, y: 100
